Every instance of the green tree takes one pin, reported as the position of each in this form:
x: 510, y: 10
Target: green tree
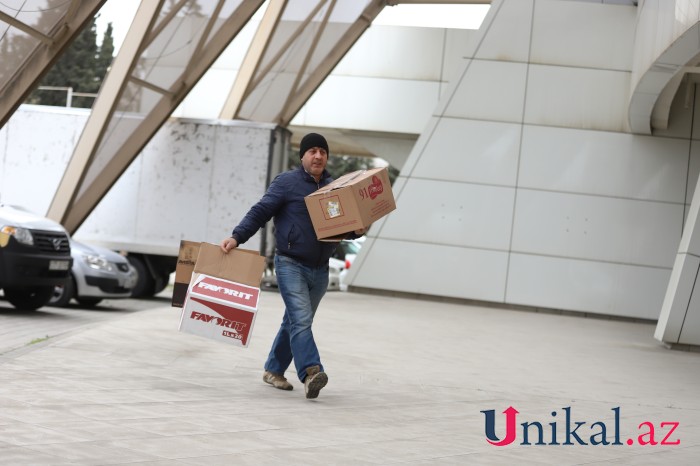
x: 105, y: 54
x: 82, y: 67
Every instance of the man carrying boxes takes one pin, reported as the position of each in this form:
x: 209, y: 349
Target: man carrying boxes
x: 301, y: 264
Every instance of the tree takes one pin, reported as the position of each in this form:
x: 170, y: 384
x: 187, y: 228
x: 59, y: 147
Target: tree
x: 105, y: 54
x: 82, y: 67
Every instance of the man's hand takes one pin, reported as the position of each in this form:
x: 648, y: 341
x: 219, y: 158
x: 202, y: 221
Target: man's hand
x: 228, y: 243
x: 361, y: 231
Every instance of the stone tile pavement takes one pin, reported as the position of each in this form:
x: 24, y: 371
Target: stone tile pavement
x: 409, y: 380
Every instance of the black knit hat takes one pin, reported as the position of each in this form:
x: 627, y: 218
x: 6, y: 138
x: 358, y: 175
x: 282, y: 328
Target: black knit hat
x: 312, y: 140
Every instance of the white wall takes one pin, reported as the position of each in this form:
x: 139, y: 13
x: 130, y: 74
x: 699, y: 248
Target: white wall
x: 389, y: 81
x: 528, y: 184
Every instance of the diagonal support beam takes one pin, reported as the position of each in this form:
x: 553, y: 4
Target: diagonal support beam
x: 92, y: 193
x: 307, y: 58
x: 5, y: 18
x: 251, y: 62
x: 102, y: 111
x: 285, y: 47
x: 44, y: 56
x: 324, y: 68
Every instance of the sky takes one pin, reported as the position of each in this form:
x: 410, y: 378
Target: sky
x: 121, y: 12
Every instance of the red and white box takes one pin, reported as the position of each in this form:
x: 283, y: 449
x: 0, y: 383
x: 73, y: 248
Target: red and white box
x: 218, y: 308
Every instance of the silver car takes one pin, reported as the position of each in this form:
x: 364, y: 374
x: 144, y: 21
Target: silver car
x: 97, y: 273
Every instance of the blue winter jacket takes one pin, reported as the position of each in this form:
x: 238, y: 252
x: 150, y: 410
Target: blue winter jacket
x: 294, y: 232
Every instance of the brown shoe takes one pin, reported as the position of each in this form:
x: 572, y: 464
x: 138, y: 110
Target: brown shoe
x: 315, y: 380
x: 277, y: 381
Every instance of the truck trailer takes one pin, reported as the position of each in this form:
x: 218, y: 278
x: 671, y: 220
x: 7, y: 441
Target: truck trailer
x: 194, y: 180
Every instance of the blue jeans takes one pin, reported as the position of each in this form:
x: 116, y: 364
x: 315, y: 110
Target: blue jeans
x: 302, y: 288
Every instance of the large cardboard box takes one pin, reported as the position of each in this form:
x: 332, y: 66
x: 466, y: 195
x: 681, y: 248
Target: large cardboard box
x: 222, y: 297
x: 352, y: 202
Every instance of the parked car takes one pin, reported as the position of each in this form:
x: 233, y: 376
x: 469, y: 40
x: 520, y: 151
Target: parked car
x: 35, y: 257
x: 346, y: 252
x: 335, y: 268
x: 97, y: 273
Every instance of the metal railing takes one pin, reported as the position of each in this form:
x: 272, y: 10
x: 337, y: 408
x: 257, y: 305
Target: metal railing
x: 69, y: 93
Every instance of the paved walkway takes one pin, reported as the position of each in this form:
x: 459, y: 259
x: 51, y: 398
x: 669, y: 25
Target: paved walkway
x: 408, y: 383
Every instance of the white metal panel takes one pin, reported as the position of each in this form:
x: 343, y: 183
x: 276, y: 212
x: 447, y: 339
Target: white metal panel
x: 374, y: 104
x: 597, y: 228
x: 690, y: 333
x: 679, y: 289
x: 176, y: 196
x: 577, y: 97
x: 695, y: 131
x: 433, y: 269
x: 456, y: 49
x: 421, y: 59
x: 586, y: 286
x: 240, y: 169
x: 420, y: 146
x: 37, y: 147
x: 113, y: 222
x: 507, y: 36
x: 690, y: 242
x: 662, y: 22
x: 604, y: 163
x: 680, y: 119
x: 489, y: 90
x: 667, y: 37
x: 193, y: 180
x: 458, y: 214
x: 469, y: 150
x: 693, y: 171
x: 583, y: 34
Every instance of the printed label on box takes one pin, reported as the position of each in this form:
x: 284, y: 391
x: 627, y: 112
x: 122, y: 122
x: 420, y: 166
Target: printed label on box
x: 332, y: 207
x: 231, y: 292
x: 217, y: 321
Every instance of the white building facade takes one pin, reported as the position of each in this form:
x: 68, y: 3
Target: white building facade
x: 528, y: 185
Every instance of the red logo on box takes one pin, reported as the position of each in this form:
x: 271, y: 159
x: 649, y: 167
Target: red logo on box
x: 376, y: 188
x: 228, y: 291
x: 235, y: 323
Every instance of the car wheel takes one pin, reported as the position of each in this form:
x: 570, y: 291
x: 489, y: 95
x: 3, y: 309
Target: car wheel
x: 144, y: 283
x: 88, y: 302
x: 29, y: 298
x: 162, y: 281
x: 63, y: 294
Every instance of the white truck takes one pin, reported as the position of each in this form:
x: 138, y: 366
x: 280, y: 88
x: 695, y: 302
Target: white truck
x: 194, y: 180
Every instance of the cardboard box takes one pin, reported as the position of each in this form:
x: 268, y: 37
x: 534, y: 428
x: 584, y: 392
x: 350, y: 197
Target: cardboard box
x: 186, y: 258
x: 353, y: 201
x: 222, y: 297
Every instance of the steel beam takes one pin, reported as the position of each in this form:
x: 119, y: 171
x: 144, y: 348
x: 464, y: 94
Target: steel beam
x: 303, y: 93
x: 73, y: 213
x: 45, y: 54
x: 250, y: 66
x: 102, y: 111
